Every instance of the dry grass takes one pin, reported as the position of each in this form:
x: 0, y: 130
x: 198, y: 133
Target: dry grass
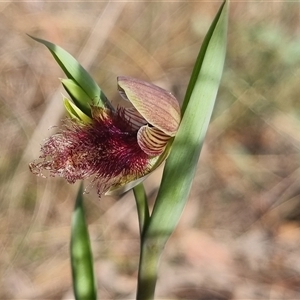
x: 239, y: 235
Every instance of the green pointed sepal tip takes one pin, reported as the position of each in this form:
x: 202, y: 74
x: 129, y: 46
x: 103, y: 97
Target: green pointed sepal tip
x: 74, y: 71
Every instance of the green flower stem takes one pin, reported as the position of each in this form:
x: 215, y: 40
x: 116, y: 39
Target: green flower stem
x: 148, y: 267
x: 148, y: 256
x: 142, y: 206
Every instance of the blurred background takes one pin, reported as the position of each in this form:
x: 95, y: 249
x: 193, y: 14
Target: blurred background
x: 239, y: 235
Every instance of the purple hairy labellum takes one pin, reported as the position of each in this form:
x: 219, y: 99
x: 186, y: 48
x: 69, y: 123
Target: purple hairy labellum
x: 117, y: 146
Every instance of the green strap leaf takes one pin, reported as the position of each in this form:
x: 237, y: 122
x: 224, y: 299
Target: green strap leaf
x: 76, y: 72
x: 181, y: 164
x: 198, y: 105
x: 81, y: 255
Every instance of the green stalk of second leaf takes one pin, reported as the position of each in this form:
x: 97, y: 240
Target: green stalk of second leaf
x: 181, y: 164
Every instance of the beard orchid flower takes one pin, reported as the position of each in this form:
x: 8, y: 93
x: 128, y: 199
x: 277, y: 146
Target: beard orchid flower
x: 115, y: 148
